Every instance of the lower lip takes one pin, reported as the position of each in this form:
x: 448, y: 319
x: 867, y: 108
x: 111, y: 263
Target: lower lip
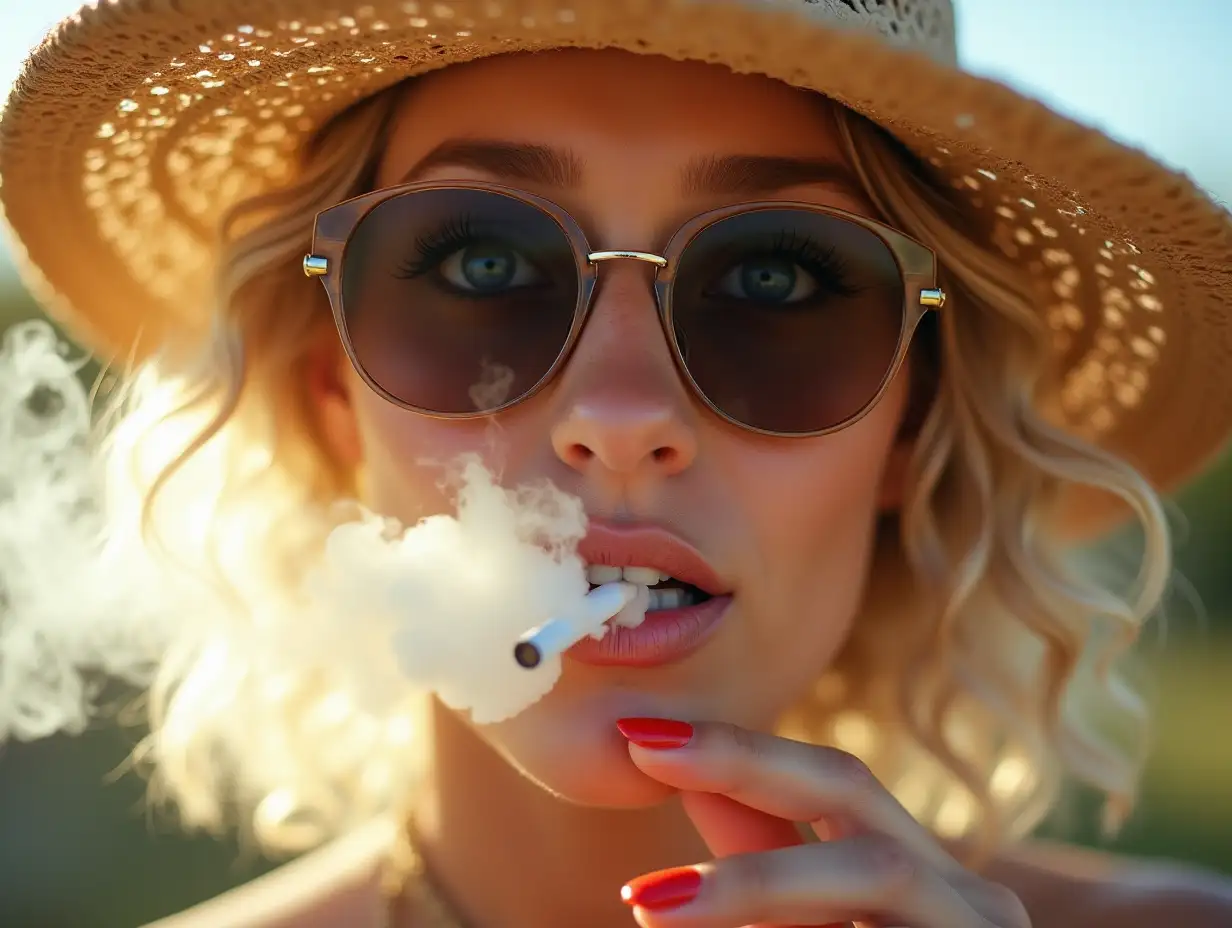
x: 666, y: 636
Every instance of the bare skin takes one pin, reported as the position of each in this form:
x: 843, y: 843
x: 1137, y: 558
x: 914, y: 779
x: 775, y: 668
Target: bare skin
x: 1061, y: 886
x: 540, y: 820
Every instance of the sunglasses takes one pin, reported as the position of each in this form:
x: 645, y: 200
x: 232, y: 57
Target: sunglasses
x: 461, y: 300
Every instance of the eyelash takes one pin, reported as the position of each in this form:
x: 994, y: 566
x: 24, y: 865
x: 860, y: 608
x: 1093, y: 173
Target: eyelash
x: 821, y: 261
x: 433, y: 248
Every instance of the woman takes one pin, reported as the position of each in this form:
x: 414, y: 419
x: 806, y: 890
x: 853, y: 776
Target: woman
x: 925, y: 337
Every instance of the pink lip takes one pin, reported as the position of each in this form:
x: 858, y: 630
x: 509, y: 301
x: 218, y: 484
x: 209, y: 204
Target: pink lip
x: 649, y: 546
x: 665, y: 636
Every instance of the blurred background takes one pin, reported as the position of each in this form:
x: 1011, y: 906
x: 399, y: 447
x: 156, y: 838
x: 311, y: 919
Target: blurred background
x: 77, y: 849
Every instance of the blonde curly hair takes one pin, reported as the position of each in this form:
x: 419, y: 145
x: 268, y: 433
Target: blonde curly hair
x: 983, y: 671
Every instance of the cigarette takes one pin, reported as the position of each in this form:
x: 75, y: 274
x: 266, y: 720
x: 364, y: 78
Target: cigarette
x: 557, y: 635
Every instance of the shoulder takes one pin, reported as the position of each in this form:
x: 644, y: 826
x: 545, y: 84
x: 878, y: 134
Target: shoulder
x: 339, y: 884
x: 1069, y: 887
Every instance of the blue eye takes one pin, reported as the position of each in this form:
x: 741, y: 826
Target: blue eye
x: 487, y: 268
x: 768, y: 280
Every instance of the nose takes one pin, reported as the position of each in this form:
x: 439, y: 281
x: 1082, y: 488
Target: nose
x: 624, y: 414
x: 626, y: 436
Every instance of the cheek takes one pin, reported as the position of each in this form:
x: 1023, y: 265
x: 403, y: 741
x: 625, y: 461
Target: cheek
x: 405, y: 455
x: 813, y: 512
x: 567, y: 743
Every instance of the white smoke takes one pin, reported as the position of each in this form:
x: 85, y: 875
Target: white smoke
x: 390, y: 611
x: 451, y: 596
x: 65, y: 625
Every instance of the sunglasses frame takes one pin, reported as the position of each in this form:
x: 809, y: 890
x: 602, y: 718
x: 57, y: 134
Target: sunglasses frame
x: 335, y: 226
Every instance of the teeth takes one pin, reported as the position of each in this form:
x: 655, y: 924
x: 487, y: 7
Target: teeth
x: 634, y: 614
x: 673, y: 598
x: 599, y: 574
x: 641, y: 575
x: 646, y: 599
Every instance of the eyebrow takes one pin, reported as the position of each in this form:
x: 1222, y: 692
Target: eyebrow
x: 707, y: 175
x: 754, y: 174
x: 534, y: 163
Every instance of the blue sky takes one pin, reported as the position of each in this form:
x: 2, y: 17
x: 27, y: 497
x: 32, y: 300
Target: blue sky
x: 1154, y: 74
x: 1151, y: 73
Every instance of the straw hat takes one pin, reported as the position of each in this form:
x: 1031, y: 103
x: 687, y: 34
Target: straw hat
x: 137, y: 122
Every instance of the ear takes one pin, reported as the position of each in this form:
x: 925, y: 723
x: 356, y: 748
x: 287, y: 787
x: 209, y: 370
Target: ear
x: 329, y: 396
x: 894, y: 476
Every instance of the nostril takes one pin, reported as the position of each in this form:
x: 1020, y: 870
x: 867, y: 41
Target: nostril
x: 623, y: 448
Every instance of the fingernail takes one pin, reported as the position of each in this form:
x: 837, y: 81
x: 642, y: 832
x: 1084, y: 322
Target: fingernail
x: 657, y: 734
x: 665, y: 889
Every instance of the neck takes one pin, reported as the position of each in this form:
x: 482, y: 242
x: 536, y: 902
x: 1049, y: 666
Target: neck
x: 507, y: 854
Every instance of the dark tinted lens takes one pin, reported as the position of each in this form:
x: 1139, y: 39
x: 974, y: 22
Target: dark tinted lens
x: 788, y: 320
x: 458, y: 301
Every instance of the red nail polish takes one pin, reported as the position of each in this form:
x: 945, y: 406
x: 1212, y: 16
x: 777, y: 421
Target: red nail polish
x: 665, y: 889
x: 658, y: 734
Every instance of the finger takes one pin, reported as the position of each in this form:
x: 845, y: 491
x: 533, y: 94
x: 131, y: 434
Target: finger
x: 865, y: 878
x: 787, y: 779
x: 730, y: 828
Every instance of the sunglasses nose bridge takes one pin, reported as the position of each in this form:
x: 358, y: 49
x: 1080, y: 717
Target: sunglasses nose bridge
x: 658, y: 263
x: 597, y: 257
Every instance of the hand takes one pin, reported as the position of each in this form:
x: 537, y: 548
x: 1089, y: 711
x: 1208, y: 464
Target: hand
x: 745, y: 792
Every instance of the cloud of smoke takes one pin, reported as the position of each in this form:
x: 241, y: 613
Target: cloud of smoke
x: 390, y: 610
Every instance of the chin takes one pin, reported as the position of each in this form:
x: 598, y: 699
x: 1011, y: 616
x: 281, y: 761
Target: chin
x: 569, y: 746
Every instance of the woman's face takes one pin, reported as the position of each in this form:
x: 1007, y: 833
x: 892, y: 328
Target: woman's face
x: 785, y: 524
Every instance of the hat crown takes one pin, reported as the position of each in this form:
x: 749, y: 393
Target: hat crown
x: 138, y: 124
x: 926, y: 26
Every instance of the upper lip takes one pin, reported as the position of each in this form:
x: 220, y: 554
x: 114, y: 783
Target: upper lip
x: 644, y: 545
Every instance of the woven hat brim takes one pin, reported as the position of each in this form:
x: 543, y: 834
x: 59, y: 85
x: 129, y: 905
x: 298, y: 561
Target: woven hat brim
x: 135, y: 124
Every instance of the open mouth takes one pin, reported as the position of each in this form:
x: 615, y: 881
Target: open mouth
x: 666, y: 591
